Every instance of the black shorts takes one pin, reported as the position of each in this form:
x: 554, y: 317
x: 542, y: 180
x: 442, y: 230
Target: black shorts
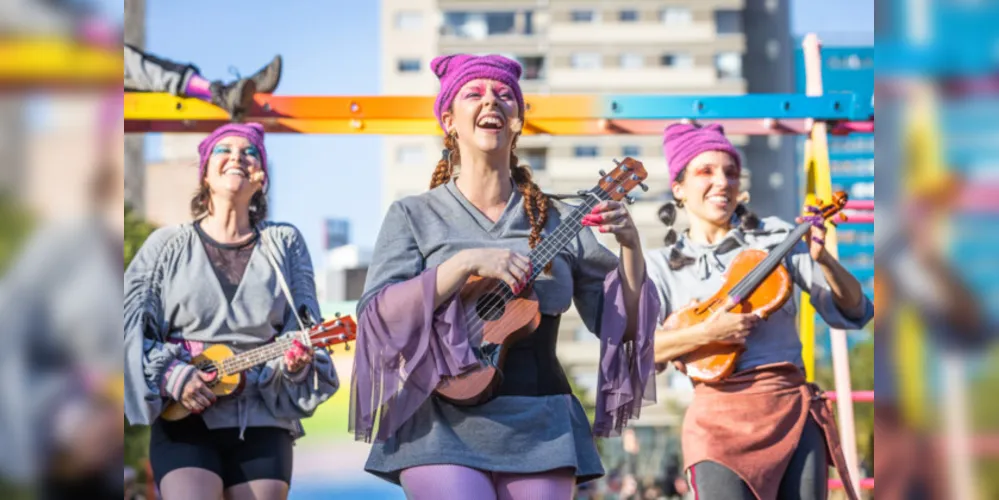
x: 265, y: 452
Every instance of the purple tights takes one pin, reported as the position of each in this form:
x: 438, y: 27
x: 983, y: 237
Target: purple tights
x: 448, y: 482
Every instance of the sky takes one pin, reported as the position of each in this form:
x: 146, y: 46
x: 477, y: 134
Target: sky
x: 332, y: 48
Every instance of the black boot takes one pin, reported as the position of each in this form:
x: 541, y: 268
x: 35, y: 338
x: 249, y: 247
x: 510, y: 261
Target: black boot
x: 235, y: 97
x: 268, y: 77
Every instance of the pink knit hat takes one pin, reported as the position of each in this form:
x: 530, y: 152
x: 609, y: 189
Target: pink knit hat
x: 454, y: 71
x: 253, y: 132
x: 683, y: 142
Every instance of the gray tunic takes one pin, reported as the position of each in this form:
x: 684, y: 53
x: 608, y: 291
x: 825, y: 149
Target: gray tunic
x: 776, y: 339
x: 172, y: 293
x: 515, y: 434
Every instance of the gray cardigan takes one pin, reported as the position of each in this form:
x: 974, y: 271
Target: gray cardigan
x: 172, y: 296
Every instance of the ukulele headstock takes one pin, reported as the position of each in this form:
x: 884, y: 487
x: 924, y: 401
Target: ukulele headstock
x: 628, y: 174
x: 340, y: 330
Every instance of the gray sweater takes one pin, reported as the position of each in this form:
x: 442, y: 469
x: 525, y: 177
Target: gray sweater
x: 172, y: 295
x: 776, y: 339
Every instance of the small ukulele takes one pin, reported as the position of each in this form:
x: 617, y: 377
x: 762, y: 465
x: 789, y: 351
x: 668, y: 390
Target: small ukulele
x: 499, y: 318
x: 755, y: 283
x: 229, y: 367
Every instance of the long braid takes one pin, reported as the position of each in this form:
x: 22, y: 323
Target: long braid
x: 536, y: 202
x: 443, y: 172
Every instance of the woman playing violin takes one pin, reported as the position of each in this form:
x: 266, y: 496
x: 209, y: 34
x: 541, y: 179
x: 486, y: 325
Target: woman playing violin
x: 759, y: 433
x: 481, y: 217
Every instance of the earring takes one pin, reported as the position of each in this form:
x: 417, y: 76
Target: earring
x: 679, y: 203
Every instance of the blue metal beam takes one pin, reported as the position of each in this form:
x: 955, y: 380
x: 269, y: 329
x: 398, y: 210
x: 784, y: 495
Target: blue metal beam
x: 832, y: 106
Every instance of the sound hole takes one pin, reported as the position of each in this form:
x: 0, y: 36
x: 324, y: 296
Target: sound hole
x: 490, y: 307
x: 210, y: 367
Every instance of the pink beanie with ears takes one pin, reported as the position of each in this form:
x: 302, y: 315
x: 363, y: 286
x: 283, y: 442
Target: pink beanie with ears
x: 455, y: 71
x: 683, y: 142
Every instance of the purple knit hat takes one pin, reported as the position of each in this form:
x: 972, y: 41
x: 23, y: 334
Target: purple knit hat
x: 683, y: 142
x: 456, y: 70
x: 253, y: 132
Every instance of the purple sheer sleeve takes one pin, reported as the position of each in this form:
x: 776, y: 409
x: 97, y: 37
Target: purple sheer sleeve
x: 404, y: 347
x: 626, y: 381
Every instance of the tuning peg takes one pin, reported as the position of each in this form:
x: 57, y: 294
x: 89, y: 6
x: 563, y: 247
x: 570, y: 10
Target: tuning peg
x: 819, y: 202
x: 336, y: 315
x: 346, y: 346
x: 603, y: 173
x: 629, y: 200
x: 842, y: 217
x: 644, y: 187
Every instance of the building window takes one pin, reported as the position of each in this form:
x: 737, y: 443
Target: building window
x: 585, y: 60
x: 534, y: 67
x: 728, y: 65
x: 478, y: 25
x: 410, y: 154
x: 676, y: 16
x: 409, y: 65
x: 528, y: 22
x: 631, y: 150
x: 632, y: 61
x: 536, y: 158
x: 584, y: 151
x: 677, y: 61
x: 627, y: 16
x: 583, y: 16
x: 728, y: 22
x: 408, y: 20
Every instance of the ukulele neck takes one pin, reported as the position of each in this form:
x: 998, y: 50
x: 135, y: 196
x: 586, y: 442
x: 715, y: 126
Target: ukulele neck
x: 246, y: 360
x: 566, y: 231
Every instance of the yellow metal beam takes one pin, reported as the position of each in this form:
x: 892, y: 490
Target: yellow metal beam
x: 51, y: 60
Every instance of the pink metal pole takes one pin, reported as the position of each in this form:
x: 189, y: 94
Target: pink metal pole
x: 857, y: 396
x: 840, y: 352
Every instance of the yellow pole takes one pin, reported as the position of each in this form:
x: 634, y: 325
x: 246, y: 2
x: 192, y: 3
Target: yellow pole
x: 823, y: 190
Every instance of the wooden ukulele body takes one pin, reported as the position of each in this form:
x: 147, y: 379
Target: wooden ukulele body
x: 500, y: 326
x: 715, y: 361
x: 209, y: 361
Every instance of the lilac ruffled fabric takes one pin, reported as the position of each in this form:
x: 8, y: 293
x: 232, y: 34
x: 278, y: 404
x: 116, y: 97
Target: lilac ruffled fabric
x: 626, y: 366
x: 405, y: 347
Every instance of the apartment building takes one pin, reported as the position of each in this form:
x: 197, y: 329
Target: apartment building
x: 699, y: 47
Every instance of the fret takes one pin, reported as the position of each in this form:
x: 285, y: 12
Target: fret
x: 246, y: 360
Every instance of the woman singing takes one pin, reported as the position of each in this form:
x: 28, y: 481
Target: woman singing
x: 481, y: 217
x: 210, y: 281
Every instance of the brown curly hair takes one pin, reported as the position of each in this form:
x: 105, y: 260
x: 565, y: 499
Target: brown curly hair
x: 536, y: 202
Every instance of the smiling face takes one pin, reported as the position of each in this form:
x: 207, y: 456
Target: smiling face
x: 709, y: 187
x: 485, y: 116
x: 234, y: 169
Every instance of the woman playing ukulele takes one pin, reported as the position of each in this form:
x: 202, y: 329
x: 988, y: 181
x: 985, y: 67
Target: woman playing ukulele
x: 213, y: 281
x: 481, y: 217
x: 757, y: 433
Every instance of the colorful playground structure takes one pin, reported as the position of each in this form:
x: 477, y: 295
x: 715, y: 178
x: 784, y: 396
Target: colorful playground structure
x: 815, y: 115
x: 44, y: 63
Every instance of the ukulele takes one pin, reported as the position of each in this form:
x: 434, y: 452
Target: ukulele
x: 755, y: 283
x: 497, y: 319
x: 229, y: 367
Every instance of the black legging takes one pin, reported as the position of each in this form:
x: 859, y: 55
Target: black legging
x: 806, y: 478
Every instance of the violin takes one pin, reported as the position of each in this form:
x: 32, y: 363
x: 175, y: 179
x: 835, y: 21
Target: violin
x: 497, y: 319
x: 755, y: 283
